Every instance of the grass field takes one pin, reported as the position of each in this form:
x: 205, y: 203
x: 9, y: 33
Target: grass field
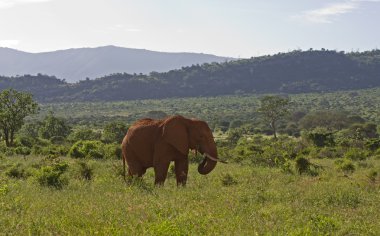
x: 233, y: 200
x: 365, y: 103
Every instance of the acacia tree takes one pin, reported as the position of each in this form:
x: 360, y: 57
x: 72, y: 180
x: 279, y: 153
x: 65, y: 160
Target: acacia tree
x: 273, y: 109
x: 14, y: 107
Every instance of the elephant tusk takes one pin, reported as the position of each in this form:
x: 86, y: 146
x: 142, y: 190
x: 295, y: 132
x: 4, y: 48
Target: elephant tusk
x: 214, y: 159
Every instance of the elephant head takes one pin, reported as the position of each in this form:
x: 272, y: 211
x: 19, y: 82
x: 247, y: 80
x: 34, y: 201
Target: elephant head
x: 185, y: 134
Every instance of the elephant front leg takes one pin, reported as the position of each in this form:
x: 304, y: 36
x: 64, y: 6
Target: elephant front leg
x: 181, y: 169
x: 160, y: 172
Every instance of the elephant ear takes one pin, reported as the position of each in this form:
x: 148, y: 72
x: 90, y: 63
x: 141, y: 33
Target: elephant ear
x: 175, y: 132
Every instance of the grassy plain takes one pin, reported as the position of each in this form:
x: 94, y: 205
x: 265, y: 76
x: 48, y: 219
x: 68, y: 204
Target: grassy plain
x: 233, y: 200
x: 365, y: 103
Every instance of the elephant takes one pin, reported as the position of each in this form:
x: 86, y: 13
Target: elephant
x: 156, y: 143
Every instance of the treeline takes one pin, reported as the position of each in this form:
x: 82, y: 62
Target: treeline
x: 292, y: 72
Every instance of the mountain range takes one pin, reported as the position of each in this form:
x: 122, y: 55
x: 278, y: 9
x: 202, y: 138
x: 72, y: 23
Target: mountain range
x: 81, y: 63
x: 286, y: 73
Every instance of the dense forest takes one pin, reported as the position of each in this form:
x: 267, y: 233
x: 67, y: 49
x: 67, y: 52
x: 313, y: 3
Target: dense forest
x: 292, y: 72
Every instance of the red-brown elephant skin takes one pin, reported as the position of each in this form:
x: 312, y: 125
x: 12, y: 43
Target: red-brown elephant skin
x: 156, y: 143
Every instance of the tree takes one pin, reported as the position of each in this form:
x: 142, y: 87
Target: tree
x: 53, y: 127
x: 114, y: 132
x: 273, y: 109
x: 14, y: 107
x: 84, y: 134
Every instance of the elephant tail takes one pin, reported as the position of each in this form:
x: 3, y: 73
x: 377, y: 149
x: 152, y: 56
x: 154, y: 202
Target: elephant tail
x: 124, y: 169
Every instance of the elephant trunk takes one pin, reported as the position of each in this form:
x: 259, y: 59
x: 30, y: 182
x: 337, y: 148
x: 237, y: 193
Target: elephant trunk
x: 207, y: 165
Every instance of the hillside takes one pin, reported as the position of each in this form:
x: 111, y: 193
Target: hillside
x: 78, y: 64
x: 293, y: 72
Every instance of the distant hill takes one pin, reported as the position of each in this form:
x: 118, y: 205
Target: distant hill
x: 78, y: 64
x: 293, y: 72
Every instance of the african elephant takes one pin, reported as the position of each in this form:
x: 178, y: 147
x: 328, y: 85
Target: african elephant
x: 155, y: 143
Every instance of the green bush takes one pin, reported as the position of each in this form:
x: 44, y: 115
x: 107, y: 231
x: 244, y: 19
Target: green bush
x: 26, y: 141
x: 51, y: 176
x: 54, y: 126
x: 355, y: 154
x: 23, y: 151
x: 85, y: 170
x: 234, y: 135
x: 302, y: 165
x: 57, y: 140
x: 17, y: 171
x: 9, y: 152
x: 87, y: 149
x: 320, y: 137
x: 84, y: 134
x: 114, y: 132
x: 112, y: 151
x: 345, y: 165
x: 373, y: 144
x: 55, y: 150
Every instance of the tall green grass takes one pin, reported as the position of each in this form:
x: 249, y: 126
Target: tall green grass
x: 232, y: 200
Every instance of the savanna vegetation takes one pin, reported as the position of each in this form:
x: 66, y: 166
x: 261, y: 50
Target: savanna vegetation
x: 320, y: 175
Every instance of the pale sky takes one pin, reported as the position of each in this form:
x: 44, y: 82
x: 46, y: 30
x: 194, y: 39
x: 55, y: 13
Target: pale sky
x: 235, y: 28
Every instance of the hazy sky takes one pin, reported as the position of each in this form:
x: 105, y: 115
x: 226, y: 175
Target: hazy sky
x: 236, y: 28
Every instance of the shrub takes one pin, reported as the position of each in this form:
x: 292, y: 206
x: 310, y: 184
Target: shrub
x: 302, y: 165
x: 86, y: 172
x: 114, y: 132
x: 355, y: 154
x: 320, y: 137
x: 9, y: 152
x: 36, y: 150
x: 112, y: 151
x: 286, y: 167
x: 55, y: 150
x: 54, y: 126
x: 234, y: 135
x: 26, y: 141
x: 84, y: 134
x: 17, y: 171
x: 57, y: 139
x: 23, y: 151
x: 95, y: 154
x: 87, y: 149
x: 373, y: 144
x: 346, y: 166
x: 51, y: 176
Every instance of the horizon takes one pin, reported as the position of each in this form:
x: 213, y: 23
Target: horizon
x: 185, y: 52
x: 239, y: 29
